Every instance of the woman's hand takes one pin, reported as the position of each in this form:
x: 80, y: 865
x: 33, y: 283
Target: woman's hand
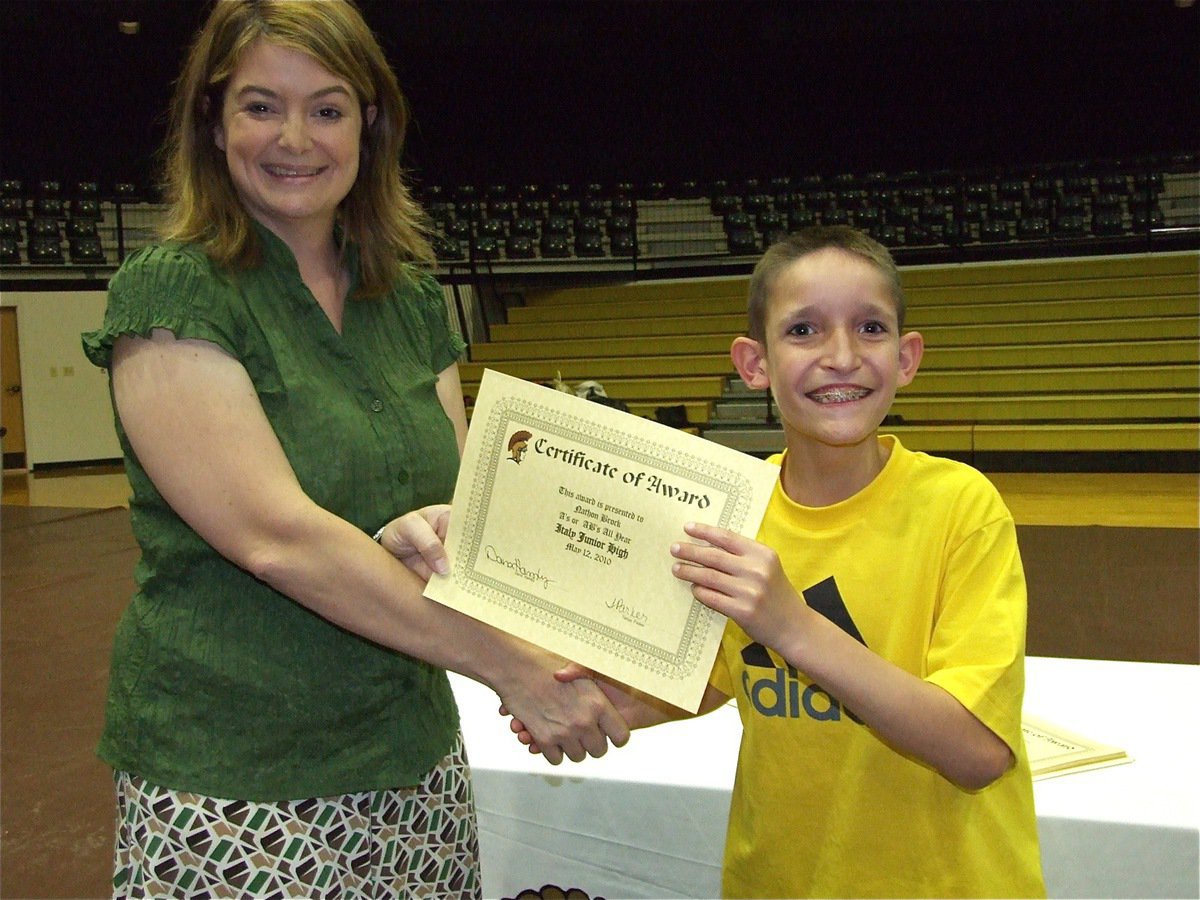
x: 418, y: 540
x: 570, y: 717
x: 639, y: 710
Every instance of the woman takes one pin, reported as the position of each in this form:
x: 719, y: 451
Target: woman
x: 284, y: 382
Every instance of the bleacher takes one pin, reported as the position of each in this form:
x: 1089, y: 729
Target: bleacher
x: 1089, y: 355
x: 1021, y: 212
x: 655, y: 227
x: 1060, y: 304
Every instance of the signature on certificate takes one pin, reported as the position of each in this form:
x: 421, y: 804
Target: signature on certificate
x: 628, y: 613
x: 514, y: 565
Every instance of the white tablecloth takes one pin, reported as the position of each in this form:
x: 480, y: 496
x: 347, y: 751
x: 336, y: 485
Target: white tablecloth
x: 648, y: 820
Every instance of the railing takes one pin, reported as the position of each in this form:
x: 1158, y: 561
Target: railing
x: 682, y: 229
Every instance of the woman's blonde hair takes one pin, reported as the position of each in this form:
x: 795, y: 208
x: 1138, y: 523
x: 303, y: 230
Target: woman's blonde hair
x: 379, y: 214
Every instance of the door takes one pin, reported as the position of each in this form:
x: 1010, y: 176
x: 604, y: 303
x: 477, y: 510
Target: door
x: 12, y: 414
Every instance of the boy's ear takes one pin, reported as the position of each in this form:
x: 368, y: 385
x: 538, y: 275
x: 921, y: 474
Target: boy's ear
x: 912, y: 348
x: 750, y: 360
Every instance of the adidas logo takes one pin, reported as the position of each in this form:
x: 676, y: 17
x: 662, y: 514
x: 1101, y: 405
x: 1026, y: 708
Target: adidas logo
x: 782, y: 694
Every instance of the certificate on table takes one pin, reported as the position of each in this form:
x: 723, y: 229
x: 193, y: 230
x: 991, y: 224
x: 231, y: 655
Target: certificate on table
x: 564, y: 514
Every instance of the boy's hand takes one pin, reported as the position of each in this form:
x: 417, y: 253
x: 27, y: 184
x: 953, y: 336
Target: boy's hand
x: 622, y: 701
x: 741, y: 579
x: 574, y: 718
x: 637, y: 709
x: 418, y: 538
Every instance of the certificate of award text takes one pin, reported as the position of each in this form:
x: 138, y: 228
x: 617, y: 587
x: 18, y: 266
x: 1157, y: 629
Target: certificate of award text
x: 564, y: 514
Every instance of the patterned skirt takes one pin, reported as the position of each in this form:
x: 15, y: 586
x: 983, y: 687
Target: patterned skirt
x: 408, y: 842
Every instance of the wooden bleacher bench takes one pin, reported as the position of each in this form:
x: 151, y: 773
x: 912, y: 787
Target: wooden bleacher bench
x: 1087, y: 355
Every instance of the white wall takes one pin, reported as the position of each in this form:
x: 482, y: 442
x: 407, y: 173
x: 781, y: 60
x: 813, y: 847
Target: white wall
x: 68, y: 413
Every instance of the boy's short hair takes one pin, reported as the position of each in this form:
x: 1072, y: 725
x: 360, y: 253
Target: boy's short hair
x: 809, y: 240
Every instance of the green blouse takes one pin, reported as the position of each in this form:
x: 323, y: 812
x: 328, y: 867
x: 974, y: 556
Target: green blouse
x: 219, y: 684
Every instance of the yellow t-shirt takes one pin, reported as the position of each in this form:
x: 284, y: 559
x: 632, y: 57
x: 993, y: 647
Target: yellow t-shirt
x: 922, y: 566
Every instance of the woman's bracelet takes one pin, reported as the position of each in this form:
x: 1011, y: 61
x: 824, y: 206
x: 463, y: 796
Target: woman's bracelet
x: 378, y: 537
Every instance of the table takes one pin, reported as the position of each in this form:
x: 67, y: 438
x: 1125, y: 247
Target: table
x: 648, y: 820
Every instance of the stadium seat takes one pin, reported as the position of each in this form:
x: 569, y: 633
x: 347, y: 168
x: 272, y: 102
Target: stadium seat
x: 756, y: 203
x: 1108, y: 222
x: 10, y: 252
x: 724, y: 204
x: 935, y: 214
x: 529, y: 208
x: 1113, y: 184
x: 499, y: 209
x: 972, y: 211
x: 554, y: 245
x: 519, y: 246
x: 993, y: 231
x: 1070, y: 205
x: 799, y: 217
x: 44, y: 228
x: 447, y: 248
x: 773, y: 236
x: 1037, y: 207
x: 623, y: 243
x: 618, y: 224
x: 593, y: 207
x: 737, y: 221
x: 493, y: 228
x: 742, y: 241
x: 1042, y: 186
x: 525, y: 226
x: 45, y: 250
x: 1005, y: 211
x: 485, y: 247
x: 1032, y: 228
x: 771, y: 220
x: 1077, y: 186
x: 589, y: 243
x: 49, y: 208
x: 623, y: 206
x: 866, y: 218
x: 86, y: 207
x: 79, y: 228
x: 1010, y: 189
x: 10, y: 228
x: 1145, y: 219
x: 888, y: 235
x: 86, y: 250
x: 588, y: 225
x: 1072, y: 225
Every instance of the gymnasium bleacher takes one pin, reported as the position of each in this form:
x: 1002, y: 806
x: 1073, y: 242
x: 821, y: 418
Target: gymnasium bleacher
x: 1059, y: 303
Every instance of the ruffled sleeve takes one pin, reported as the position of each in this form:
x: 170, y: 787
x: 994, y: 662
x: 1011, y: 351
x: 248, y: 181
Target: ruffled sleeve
x: 445, y: 344
x: 163, y: 286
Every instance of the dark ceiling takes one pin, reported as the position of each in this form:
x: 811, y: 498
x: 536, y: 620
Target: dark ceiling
x: 516, y: 90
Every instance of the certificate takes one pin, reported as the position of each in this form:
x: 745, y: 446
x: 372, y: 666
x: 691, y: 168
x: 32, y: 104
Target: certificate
x: 564, y: 514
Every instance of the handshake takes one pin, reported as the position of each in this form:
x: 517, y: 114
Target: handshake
x: 557, y: 708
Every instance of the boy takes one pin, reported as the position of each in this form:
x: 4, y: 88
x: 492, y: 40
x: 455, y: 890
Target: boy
x: 877, y: 633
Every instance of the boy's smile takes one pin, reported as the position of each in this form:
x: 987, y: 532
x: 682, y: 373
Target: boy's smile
x: 834, y: 356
